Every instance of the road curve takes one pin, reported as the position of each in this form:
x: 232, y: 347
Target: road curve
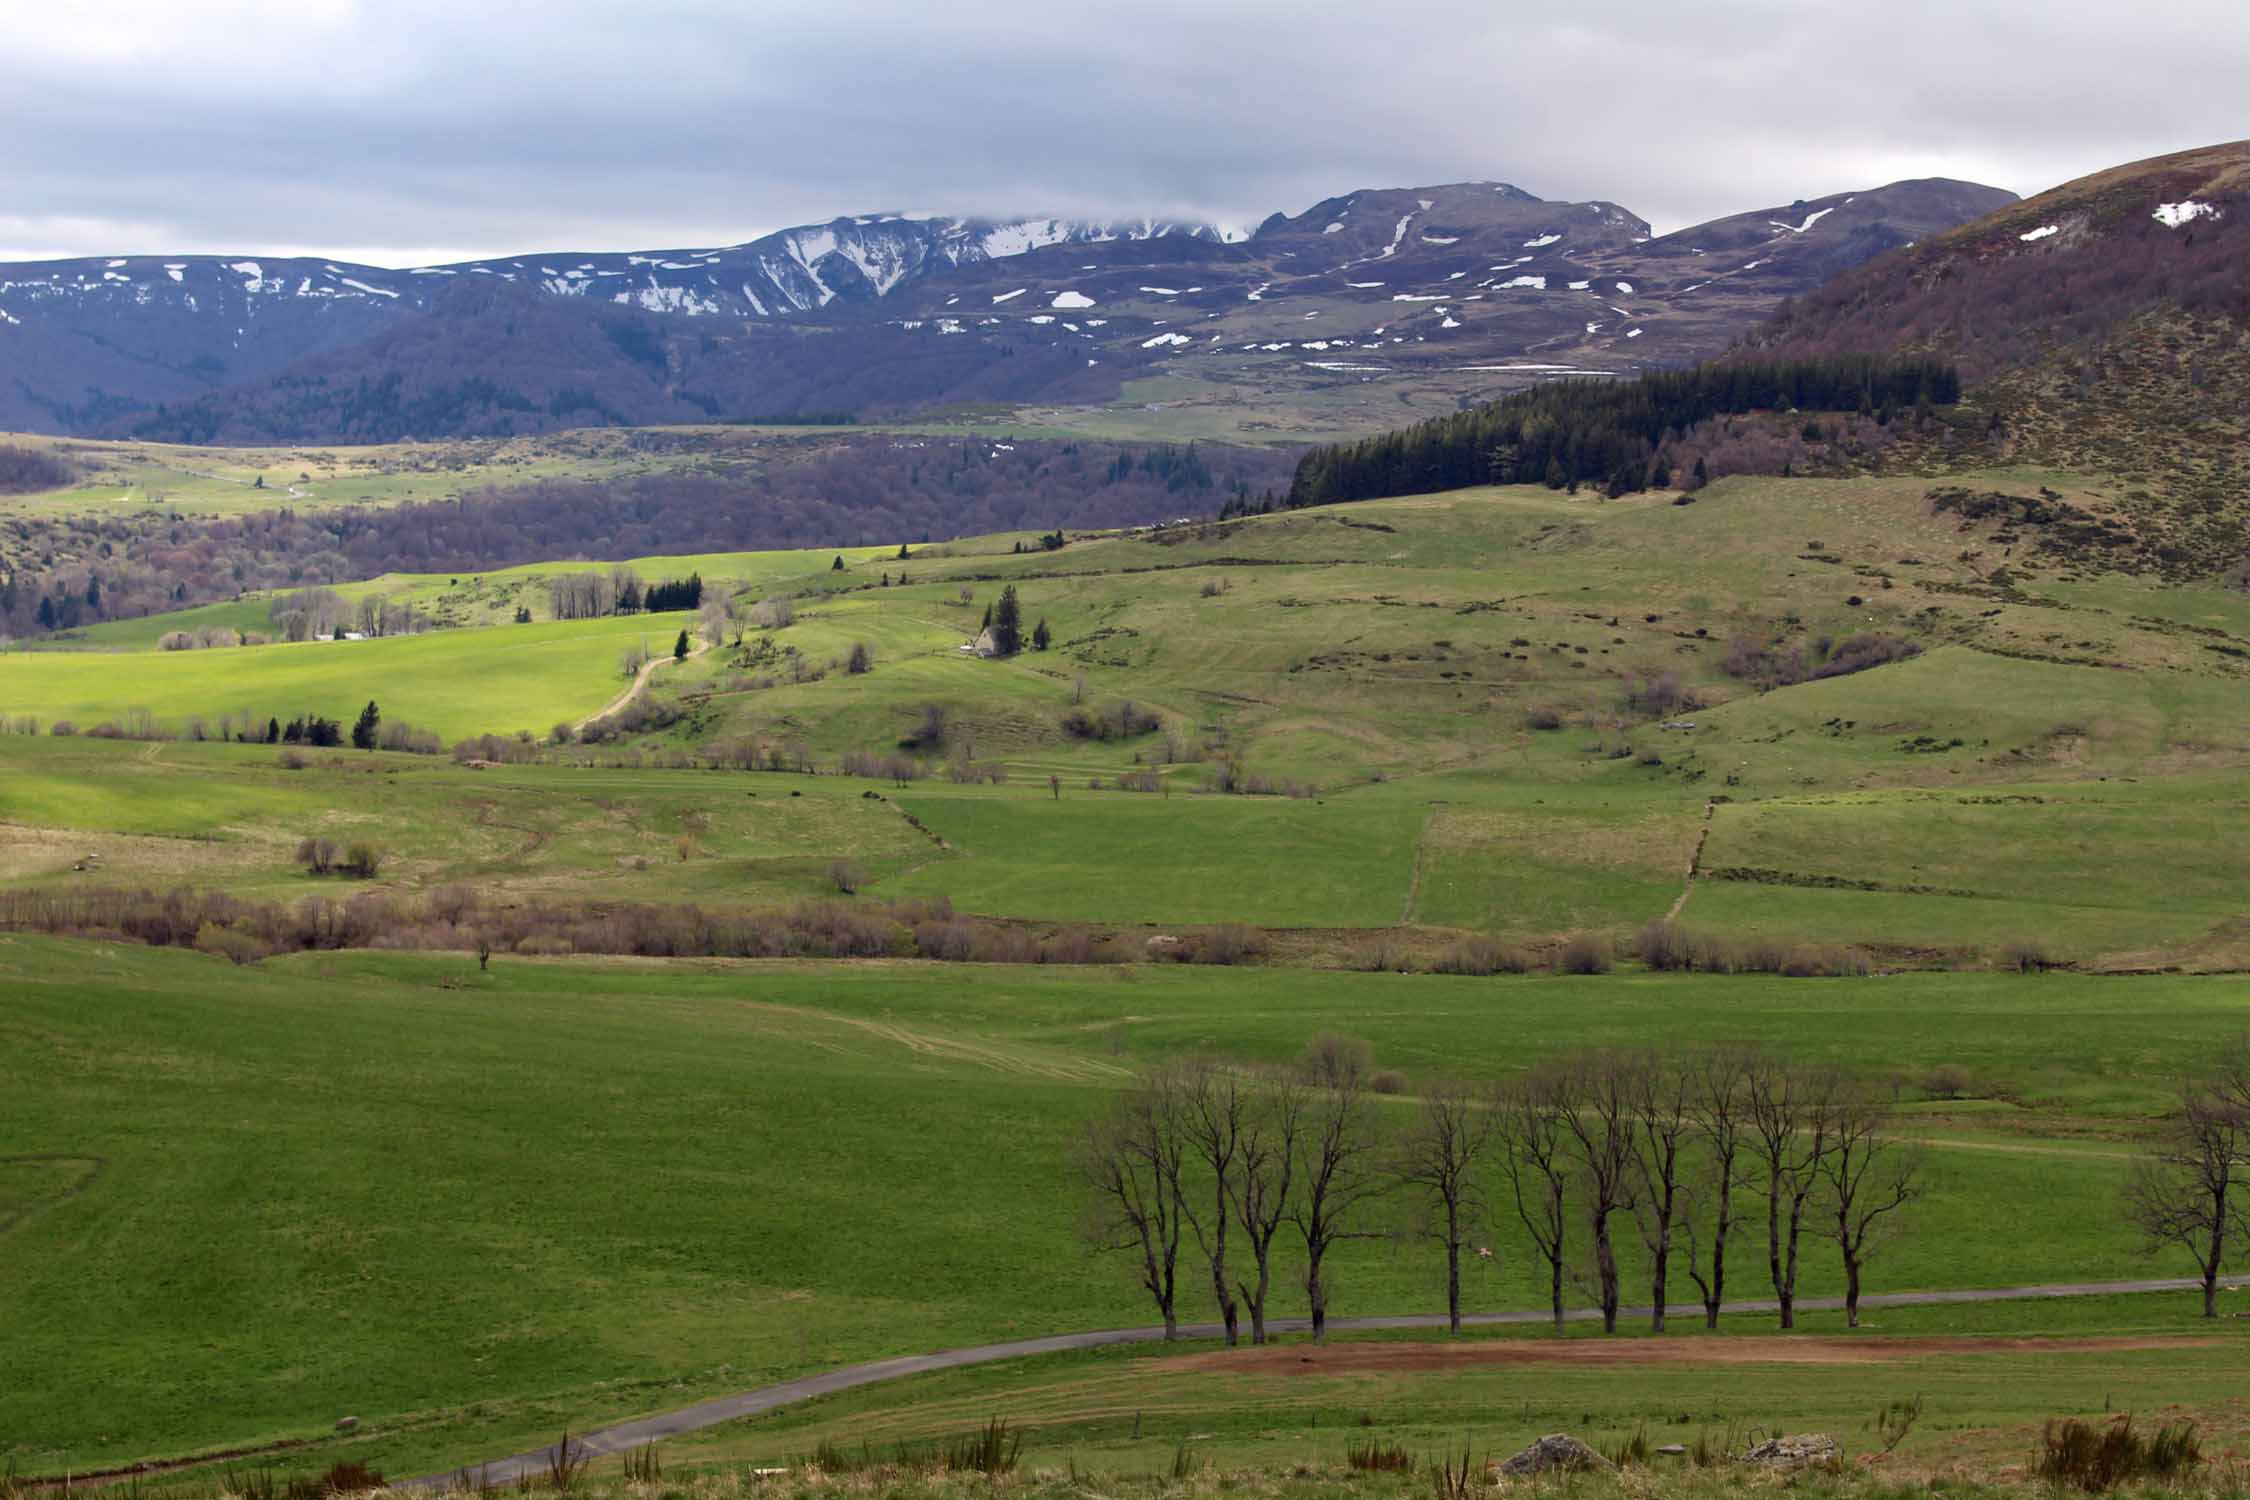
x: 620, y: 1436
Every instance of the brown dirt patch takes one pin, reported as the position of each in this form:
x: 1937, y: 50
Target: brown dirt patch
x: 1409, y: 1358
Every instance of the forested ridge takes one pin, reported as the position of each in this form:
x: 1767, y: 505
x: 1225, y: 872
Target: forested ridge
x: 65, y: 573
x: 1622, y: 436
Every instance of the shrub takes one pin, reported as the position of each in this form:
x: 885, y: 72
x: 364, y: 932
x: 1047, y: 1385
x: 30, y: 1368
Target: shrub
x: 847, y: 876
x: 1858, y: 653
x: 2027, y: 956
x: 1329, y: 1058
x: 1947, y: 1081
x: 1119, y: 721
x: 317, y: 855
x: 930, y: 730
x: 1656, y: 694
x: 2098, y: 1459
x: 1388, y: 1081
x: 1371, y: 1456
x: 225, y: 942
x: 349, y: 1479
x: 1381, y: 956
x: 62, y: 729
x: 1585, y: 953
x: 860, y: 660
x: 363, y: 861
x: 1229, y: 943
x: 1479, y: 954
x: 1542, y: 718
x: 1661, y: 946
x: 993, y: 1449
x: 291, y: 760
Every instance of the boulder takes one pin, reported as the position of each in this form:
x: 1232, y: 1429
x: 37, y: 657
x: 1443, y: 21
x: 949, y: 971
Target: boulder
x: 347, y: 1424
x: 1796, y: 1451
x: 1557, y: 1452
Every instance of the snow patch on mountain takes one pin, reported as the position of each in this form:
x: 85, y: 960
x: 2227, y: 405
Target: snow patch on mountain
x: 2187, y: 211
x: 1810, y: 220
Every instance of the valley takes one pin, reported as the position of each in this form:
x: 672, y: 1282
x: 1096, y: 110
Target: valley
x: 569, y: 853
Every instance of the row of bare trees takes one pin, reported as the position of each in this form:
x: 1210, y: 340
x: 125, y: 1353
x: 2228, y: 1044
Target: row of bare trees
x: 1218, y: 1163
x: 2192, y: 1190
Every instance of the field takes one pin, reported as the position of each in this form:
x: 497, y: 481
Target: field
x: 456, y: 683
x: 1390, y: 658
x: 467, y: 1207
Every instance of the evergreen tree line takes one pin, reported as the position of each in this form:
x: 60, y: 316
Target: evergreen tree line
x: 1611, y: 433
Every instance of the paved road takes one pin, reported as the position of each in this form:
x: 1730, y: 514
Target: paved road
x: 623, y: 1435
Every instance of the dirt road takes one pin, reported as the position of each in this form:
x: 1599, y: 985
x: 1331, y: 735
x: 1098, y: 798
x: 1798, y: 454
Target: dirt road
x: 623, y: 1435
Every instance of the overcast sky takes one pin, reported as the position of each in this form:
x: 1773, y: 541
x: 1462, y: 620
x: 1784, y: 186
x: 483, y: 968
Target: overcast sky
x: 401, y: 132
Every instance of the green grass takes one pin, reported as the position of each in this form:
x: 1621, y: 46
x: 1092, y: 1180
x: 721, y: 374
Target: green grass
x: 463, y: 1205
x: 1124, y: 1411
x: 454, y: 682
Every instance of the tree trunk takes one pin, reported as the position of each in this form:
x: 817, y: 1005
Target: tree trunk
x: 1554, y: 1292
x: 1717, y: 1295
x: 1316, y: 1295
x: 1256, y: 1300
x: 1171, y: 1325
x: 1658, y: 1272
x: 1453, y: 1286
x: 1851, y: 1291
x: 1229, y: 1313
x: 1785, y: 1287
x: 1605, y: 1270
x: 1773, y: 1246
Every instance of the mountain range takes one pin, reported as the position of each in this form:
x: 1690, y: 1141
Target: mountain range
x: 887, y: 314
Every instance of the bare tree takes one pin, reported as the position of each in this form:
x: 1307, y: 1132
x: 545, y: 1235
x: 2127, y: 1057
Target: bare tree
x: 1789, y: 1116
x: 1662, y: 1120
x: 1265, y: 1173
x: 1869, y: 1177
x: 1214, y: 1105
x: 1132, y: 1161
x: 712, y: 620
x: 1438, y: 1159
x: 1529, y: 1116
x: 1599, y: 1137
x: 1717, y: 1104
x: 1337, y: 1165
x: 2188, y: 1191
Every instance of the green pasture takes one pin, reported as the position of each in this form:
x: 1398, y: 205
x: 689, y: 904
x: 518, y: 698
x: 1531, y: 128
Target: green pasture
x: 1984, y: 1374
x: 453, y: 682
x: 467, y: 1206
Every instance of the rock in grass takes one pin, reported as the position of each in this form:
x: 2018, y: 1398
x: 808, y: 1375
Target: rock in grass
x: 347, y: 1424
x: 1557, y: 1452
x: 1795, y: 1452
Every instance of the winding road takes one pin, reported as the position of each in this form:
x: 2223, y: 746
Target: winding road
x: 621, y: 1436
x: 641, y: 680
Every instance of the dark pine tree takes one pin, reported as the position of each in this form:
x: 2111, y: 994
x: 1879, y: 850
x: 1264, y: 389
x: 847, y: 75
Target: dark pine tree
x: 1041, y: 636
x: 679, y: 647
x: 363, y: 732
x: 1007, y: 624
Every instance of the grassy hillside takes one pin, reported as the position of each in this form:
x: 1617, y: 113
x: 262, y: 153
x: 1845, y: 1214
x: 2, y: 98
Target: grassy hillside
x: 484, y: 1204
x: 452, y: 682
x: 1391, y: 659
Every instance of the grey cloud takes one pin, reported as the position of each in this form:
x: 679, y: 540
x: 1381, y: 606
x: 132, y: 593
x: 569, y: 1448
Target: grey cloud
x: 503, y: 128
